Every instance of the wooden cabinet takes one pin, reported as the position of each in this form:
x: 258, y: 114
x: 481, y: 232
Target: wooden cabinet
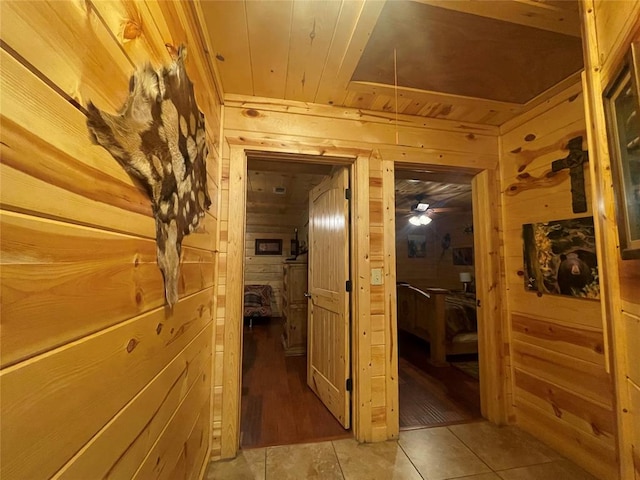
x: 294, y: 308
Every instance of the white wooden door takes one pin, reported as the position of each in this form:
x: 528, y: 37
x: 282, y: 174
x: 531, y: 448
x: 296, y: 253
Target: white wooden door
x: 328, y: 327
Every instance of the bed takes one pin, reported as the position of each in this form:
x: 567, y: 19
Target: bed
x: 446, y: 319
x: 257, y: 302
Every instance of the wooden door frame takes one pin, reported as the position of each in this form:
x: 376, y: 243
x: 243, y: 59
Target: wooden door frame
x: 357, y: 161
x: 489, y: 286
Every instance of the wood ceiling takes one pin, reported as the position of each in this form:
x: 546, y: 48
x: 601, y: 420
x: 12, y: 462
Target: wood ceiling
x: 275, y: 187
x: 444, y: 192
x: 466, y: 60
x: 281, y: 188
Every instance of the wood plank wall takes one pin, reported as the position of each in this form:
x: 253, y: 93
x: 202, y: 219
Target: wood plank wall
x: 562, y: 392
x: 267, y: 269
x: 436, y: 269
x: 380, y: 314
x: 266, y: 124
x: 98, y: 377
x: 609, y: 28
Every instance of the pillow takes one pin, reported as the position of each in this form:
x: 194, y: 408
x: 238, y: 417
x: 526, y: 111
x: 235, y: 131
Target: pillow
x: 252, y: 300
x: 456, y: 321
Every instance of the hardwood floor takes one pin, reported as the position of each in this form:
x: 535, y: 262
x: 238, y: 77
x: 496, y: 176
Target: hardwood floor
x: 279, y: 409
x: 433, y: 396
x: 277, y: 406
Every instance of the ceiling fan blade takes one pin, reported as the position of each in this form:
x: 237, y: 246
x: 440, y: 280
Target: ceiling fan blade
x: 446, y: 209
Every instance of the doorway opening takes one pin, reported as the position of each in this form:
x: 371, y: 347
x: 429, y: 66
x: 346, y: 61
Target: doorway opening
x: 438, y: 356
x: 282, y: 364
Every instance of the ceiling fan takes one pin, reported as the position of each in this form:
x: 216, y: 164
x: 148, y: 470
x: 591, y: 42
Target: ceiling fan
x: 422, y: 213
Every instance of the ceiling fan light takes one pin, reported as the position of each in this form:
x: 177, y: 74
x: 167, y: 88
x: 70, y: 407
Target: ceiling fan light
x: 414, y: 221
x: 424, y: 220
x: 422, y: 207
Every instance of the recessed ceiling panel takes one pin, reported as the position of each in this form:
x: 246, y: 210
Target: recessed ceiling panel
x: 442, y: 50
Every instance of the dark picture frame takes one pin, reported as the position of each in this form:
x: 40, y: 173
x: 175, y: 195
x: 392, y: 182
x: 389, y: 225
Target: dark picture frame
x: 560, y: 258
x: 462, y: 255
x: 622, y: 108
x: 417, y: 246
x: 268, y: 246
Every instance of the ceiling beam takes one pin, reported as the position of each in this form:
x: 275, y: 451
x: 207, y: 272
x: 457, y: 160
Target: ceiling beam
x: 280, y: 166
x: 457, y: 177
x: 354, y: 27
x: 426, y: 96
x: 536, y: 14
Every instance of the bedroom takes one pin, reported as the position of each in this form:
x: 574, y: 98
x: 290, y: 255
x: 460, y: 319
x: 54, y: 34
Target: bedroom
x: 437, y: 325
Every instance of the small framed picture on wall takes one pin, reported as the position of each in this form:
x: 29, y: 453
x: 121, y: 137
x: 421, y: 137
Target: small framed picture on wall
x: 462, y: 256
x: 268, y: 246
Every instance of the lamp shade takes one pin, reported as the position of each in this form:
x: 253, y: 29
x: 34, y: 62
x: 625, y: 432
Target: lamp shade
x: 465, y: 277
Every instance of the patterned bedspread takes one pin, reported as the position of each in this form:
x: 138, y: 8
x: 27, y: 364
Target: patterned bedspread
x: 460, y: 311
x: 257, y: 300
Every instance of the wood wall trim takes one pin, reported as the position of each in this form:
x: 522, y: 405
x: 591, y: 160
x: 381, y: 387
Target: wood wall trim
x: 535, y: 14
x: 426, y: 96
x: 361, y: 309
x: 293, y: 128
x: 336, y: 75
x: 106, y: 365
x: 571, y: 91
x: 230, y: 434
x: 604, y: 46
x: 230, y: 440
x: 489, y: 292
x: 361, y: 115
x: 419, y: 155
x: 389, y: 268
x: 267, y: 124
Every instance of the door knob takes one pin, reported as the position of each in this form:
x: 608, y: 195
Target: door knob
x: 307, y: 294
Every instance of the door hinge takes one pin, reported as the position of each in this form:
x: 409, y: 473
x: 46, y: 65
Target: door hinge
x: 347, y: 193
x: 348, y: 285
x: 349, y: 385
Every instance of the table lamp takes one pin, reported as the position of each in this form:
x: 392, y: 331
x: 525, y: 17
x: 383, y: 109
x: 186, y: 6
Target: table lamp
x: 465, y: 279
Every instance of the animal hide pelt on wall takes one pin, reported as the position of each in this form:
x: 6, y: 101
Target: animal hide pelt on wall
x: 158, y: 136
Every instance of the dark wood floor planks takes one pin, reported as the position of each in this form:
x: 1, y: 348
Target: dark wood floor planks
x: 279, y: 409
x: 433, y: 396
x: 277, y: 406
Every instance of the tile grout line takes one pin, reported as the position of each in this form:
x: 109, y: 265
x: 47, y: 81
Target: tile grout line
x: 497, y: 471
x: 337, y: 459
x: 409, y: 458
x: 265, y: 462
x: 472, y: 451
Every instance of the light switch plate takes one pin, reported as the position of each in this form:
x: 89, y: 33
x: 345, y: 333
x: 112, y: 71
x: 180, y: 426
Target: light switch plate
x: 376, y: 276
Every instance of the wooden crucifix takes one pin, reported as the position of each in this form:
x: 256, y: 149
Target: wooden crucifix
x: 575, y: 163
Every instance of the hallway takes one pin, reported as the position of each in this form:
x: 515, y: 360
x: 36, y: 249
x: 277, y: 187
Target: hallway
x: 474, y: 451
x: 277, y: 406
x: 432, y: 396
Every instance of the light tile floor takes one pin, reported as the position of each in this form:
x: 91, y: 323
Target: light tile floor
x: 473, y: 451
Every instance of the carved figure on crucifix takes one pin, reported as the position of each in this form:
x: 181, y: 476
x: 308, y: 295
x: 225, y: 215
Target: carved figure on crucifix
x: 575, y: 163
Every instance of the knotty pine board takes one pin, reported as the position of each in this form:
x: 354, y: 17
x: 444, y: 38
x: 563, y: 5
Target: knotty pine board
x: 575, y: 340
x: 170, y: 446
x: 386, y: 118
x: 61, y: 282
x: 56, y: 56
x: 582, y: 413
x: 540, y: 326
x: 632, y: 350
x: 68, y: 43
x: 276, y: 123
x: 120, y: 447
x: 66, y: 176
x: 584, y: 378
x: 596, y: 455
x: 117, y: 363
